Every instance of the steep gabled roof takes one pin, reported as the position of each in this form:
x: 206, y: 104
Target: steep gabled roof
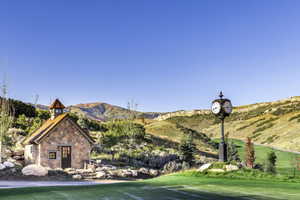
x: 38, y: 135
x: 57, y: 105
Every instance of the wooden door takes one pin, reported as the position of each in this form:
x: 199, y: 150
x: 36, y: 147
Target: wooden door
x: 65, y: 157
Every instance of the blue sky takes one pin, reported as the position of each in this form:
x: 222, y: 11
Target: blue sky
x: 165, y: 54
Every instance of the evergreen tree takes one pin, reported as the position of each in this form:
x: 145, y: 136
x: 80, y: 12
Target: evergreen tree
x: 270, y: 163
x: 249, y: 153
x: 232, y: 152
x: 187, y: 149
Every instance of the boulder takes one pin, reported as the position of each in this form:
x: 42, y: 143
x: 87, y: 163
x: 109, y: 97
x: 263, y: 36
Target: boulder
x: 144, y: 170
x: 125, y: 173
x: 217, y: 170
x: 134, y: 173
x: 153, y: 172
x: 231, y: 168
x: 77, y: 177
x: 8, y: 164
x: 2, y: 166
x: 100, y: 174
x: 34, y: 170
x: 204, y: 167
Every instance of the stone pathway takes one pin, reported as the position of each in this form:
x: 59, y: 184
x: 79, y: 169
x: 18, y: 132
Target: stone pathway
x: 20, y: 184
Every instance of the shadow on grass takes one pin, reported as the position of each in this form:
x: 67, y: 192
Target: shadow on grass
x: 138, y: 190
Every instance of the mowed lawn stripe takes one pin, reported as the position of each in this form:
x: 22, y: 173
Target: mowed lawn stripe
x: 173, y: 187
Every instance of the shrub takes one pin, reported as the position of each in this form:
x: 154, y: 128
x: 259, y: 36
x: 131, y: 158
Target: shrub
x: 270, y: 163
x: 248, y: 125
x: 218, y: 165
x: 267, y: 121
x: 260, y: 129
x: 294, y: 117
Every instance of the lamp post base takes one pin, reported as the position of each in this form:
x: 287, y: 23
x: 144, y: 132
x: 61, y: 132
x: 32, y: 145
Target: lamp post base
x: 222, y: 152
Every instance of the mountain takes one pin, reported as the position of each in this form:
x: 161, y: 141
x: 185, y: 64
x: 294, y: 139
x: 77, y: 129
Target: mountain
x: 104, y: 111
x: 275, y: 124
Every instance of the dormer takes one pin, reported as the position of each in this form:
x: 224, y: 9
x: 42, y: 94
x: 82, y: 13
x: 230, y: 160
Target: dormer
x: 56, y: 108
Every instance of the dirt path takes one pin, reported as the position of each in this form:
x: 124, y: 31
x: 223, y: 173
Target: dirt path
x: 19, y: 184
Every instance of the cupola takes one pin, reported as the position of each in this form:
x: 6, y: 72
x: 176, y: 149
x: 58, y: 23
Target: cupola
x: 56, y: 108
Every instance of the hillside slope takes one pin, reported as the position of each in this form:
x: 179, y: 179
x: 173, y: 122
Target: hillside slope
x: 276, y: 124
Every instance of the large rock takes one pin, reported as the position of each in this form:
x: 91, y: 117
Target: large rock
x: 143, y: 170
x: 153, y: 172
x: 134, y: 173
x: 8, y: 164
x: 231, y: 168
x: 2, y: 166
x: 125, y: 173
x: 34, y: 170
x: 100, y: 174
x: 77, y: 177
x: 204, y: 167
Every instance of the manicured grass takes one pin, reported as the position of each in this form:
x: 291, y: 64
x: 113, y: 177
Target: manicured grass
x: 172, y: 187
x: 284, y: 159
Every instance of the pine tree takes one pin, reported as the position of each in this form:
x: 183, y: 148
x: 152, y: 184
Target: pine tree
x: 249, y: 153
x: 187, y: 149
x: 270, y: 163
x: 232, y: 152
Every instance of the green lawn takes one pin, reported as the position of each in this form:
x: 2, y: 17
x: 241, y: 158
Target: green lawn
x: 172, y: 187
x: 284, y: 165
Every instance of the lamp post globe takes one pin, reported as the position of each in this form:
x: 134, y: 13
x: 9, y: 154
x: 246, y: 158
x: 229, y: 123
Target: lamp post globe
x: 222, y: 108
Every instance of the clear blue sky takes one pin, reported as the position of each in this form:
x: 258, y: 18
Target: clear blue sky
x: 165, y: 54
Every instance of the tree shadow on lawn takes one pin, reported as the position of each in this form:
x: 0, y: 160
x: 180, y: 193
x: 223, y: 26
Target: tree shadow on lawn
x: 137, y: 190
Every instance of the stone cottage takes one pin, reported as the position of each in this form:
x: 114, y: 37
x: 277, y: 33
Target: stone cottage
x: 59, y: 142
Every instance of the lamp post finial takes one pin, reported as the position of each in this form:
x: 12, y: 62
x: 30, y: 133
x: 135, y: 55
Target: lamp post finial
x: 221, y: 94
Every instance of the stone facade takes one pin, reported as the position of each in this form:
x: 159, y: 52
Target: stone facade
x: 65, y: 133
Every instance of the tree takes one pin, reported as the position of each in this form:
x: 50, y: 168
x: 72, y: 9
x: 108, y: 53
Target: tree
x: 187, y: 149
x: 249, y: 153
x: 83, y: 123
x: 6, y: 116
x: 232, y: 152
x: 270, y: 163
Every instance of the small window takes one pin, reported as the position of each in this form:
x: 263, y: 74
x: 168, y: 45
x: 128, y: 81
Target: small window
x: 31, y: 149
x: 52, y: 155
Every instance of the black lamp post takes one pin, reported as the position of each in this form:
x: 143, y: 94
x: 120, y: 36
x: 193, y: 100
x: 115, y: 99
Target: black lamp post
x: 222, y: 108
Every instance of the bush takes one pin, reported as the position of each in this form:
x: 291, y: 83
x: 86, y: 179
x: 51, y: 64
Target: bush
x: 270, y: 163
x: 218, y: 165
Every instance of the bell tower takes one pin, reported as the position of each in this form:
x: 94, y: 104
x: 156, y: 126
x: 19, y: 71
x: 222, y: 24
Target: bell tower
x: 56, y: 108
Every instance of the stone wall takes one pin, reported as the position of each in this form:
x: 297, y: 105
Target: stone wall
x: 64, y: 134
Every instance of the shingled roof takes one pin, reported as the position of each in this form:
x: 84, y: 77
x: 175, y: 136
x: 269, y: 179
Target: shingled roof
x: 57, y: 105
x: 39, y: 134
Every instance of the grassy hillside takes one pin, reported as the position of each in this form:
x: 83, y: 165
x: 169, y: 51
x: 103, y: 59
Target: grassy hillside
x: 172, y: 187
x: 172, y: 132
x: 275, y: 124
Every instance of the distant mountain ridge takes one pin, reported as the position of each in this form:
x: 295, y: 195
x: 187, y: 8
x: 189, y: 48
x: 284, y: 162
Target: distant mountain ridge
x: 103, y: 111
